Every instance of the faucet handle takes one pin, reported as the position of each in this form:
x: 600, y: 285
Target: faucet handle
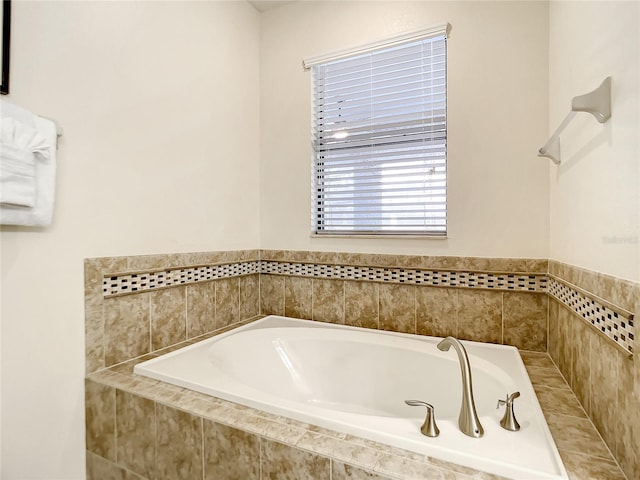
x: 509, y: 421
x: 429, y: 427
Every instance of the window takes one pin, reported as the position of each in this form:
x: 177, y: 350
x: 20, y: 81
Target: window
x: 379, y: 138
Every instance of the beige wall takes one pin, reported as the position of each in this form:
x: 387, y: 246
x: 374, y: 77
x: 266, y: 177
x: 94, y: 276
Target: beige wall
x: 159, y: 104
x: 497, y: 119
x: 595, y: 201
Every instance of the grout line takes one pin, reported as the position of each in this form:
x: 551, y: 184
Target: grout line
x: 186, y: 312
x: 150, y: 325
x: 502, y: 318
x: 204, y: 475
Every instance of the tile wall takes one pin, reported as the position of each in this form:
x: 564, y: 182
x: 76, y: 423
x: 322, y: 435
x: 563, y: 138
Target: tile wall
x: 133, y: 323
x: 488, y: 300
x: 136, y: 306
x: 604, y: 377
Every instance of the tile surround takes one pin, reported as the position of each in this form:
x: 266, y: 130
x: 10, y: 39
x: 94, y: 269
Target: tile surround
x: 232, y: 441
x: 323, y: 286
x: 604, y: 377
x: 613, y: 321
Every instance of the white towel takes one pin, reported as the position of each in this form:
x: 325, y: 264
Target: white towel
x: 20, y: 147
x: 45, y: 174
x: 11, y: 110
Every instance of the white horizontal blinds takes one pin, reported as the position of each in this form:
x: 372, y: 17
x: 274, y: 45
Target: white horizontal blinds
x: 379, y: 138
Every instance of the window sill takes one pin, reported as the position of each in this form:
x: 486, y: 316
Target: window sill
x: 381, y: 237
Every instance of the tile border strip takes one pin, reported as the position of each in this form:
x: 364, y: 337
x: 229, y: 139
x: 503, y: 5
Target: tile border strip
x: 616, y: 324
x: 410, y: 276
x: 117, y: 284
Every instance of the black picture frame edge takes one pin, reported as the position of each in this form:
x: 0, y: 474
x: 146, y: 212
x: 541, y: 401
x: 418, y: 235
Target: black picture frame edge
x: 6, y: 38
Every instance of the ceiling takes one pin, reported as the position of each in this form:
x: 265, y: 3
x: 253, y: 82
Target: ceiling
x: 264, y: 5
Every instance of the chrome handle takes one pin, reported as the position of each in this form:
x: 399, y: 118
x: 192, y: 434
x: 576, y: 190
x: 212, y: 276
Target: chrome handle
x: 509, y: 421
x: 429, y: 427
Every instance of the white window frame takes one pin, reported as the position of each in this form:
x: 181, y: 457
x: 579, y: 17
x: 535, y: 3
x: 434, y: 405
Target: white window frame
x: 392, y: 206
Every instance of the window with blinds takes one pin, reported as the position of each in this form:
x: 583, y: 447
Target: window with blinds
x: 380, y: 141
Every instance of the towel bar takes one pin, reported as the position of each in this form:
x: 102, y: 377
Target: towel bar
x: 597, y: 103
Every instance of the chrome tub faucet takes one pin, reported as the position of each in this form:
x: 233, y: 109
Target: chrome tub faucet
x: 468, y: 419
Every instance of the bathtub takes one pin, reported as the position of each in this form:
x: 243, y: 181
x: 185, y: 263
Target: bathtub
x: 355, y: 381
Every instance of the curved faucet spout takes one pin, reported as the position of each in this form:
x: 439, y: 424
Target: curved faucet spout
x: 468, y: 419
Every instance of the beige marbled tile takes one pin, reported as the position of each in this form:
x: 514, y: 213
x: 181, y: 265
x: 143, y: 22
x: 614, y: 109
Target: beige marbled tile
x: 168, y: 317
x: 553, y: 339
x: 437, y: 311
x: 525, y: 320
x: 565, y: 343
x: 99, y: 468
x: 328, y: 300
x: 230, y: 453
x: 480, y: 316
x: 558, y: 401
x: 619, y: 292
x: 201, y: 308
x: 339, y: 449
x: 126, y: 327
x: 605, y: 406
x: 628, y: 435
x: 460, y: 472
x: 94, y: 270
x: 361, y: 304
x: 126, y: 368
x: 298, y: 297
x: 344, y: 471
x: 409, y: 261
x: 271, y: 295
x: 586, y: 467
x: 578, y: 435
x: 282, y: 462
x: 581, y: 361
x: 536, y: 360
x: 227, y: 301
x: 249, y: 296
x: 212, y: 258
x: 137, y: 263
x: 246, y: 420
x: 178, y: 459
x: 135, y: 433
x: 397, y: 466
x: 287, y: 431
x: 94, y: 340
x: 548, y: 377
x: 397, y: 308
x: 100, y: 417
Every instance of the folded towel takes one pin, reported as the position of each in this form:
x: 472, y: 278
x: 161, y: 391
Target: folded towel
x: 11, y: 110
x: 45, y: 175
x: 20, y: 145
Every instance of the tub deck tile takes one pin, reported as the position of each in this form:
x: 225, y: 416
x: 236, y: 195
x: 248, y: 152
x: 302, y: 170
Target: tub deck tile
x: 339, y: 449
x: 587, y: 467
x: 573, y: 432
x: 577, y: 435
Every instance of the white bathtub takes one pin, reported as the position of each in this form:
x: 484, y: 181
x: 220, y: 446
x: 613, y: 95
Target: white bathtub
x: 355, y: 381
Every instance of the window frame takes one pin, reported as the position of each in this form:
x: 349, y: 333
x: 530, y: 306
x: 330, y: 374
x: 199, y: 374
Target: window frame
x: 440, y: 32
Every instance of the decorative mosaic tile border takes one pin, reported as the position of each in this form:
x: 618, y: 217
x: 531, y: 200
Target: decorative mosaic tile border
x: 434, y: 278
x: 615, y: 325
x: 120, y: 284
